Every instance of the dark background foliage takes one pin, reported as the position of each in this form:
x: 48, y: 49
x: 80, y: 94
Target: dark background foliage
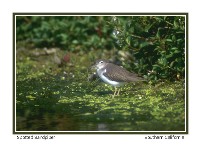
x: 72, y: 33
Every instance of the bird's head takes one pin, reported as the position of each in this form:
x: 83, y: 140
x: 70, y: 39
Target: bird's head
x: 100, y: 63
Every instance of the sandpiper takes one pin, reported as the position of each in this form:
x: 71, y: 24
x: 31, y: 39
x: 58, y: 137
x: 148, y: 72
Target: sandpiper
x: 114, y: 75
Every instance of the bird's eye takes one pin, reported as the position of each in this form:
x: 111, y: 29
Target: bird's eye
x: 101, y: 62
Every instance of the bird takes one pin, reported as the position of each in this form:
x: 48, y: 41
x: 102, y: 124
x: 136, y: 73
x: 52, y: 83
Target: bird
x: 114, y: 75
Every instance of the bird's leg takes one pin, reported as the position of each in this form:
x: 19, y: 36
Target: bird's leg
x: 114, y: 92
x: 118, y: 92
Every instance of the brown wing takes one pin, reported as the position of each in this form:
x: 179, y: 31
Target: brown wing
x: 117, y: 73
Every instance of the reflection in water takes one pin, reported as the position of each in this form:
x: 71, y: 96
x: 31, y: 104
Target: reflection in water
x: 62, y: 122
x: 44, y: 121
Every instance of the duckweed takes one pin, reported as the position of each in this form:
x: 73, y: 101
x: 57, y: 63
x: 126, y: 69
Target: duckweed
x: 49, y: 99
